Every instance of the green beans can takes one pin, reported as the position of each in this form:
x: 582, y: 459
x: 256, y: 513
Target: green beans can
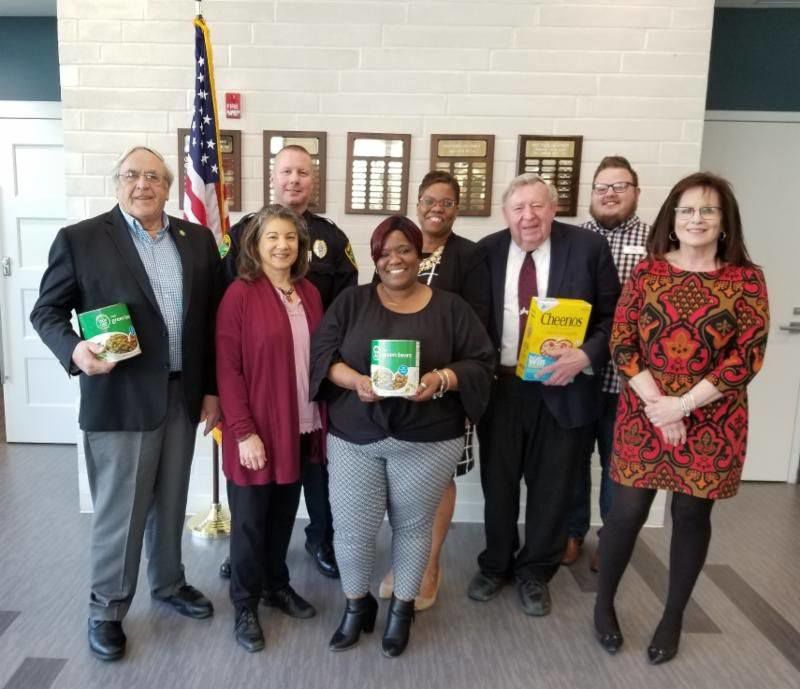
x: 112, y: 328
x: 394, y: 367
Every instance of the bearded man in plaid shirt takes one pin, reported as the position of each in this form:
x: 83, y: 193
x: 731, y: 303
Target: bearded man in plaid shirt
x: 615, y: 195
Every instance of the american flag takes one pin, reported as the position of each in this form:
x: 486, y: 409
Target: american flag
x: 203, y: 200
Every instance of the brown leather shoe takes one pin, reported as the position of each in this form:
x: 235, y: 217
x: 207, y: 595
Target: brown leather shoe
x: 573, y: 550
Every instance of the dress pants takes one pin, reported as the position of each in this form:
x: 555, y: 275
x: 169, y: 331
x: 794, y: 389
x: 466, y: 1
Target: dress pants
x: 262, y: 519
x: 315, y: 490
x: 521, y: 438
x: 580, y: 514
x: 139, y: 482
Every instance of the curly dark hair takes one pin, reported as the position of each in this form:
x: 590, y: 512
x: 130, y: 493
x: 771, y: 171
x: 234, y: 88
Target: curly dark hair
x: 248, y: 263
x: 731, y: 249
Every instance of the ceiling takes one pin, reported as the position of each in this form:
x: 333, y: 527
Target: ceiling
x: 47, y: 8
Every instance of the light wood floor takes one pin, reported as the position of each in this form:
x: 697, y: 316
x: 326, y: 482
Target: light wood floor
x: 743, y: 624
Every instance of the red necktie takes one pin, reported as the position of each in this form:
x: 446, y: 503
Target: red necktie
x: 527, y: 289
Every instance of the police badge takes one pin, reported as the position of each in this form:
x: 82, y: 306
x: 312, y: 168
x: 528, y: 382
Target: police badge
x: 320, y: 248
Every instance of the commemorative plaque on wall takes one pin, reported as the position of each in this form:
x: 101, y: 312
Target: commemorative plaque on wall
x: 557, y: 159
x: 469, y: 158
x: 230, y: 148
x: 315, y: 144
x: 377, y: 173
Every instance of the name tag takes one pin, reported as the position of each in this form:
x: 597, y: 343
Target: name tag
x: 635, y: 249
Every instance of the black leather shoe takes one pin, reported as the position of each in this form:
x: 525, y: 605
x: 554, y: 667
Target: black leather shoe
x: 324, y: 558
x: 106, y: 639
x: 187, y: 600
x: 247, y: 630
x: 534, y: 597
x: 289, y: 602
x: 359, y: 616
x: 484, y: 587
x: 656, y: 655
x: 398, y: 627
x: 225, y: 568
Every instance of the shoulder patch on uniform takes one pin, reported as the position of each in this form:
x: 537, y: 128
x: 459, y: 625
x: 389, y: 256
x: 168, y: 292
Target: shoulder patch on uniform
x: 348, y: 251
x: 225, y: 245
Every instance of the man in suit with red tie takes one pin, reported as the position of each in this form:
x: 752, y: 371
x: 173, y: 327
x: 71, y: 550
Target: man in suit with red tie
x: 538, y: 429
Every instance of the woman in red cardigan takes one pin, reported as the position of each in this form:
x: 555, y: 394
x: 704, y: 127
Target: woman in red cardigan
x: 270, y: 427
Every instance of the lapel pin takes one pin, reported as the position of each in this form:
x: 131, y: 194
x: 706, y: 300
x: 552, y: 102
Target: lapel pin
x: 181, y: 233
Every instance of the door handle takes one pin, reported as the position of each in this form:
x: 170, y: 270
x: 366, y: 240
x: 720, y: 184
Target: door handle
x: 793, y: 327
x: 6, y: 266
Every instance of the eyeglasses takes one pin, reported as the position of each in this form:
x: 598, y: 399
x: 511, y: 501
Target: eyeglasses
x: 430, y: 202
x: 133, y: 176
x: 686, y: 213
x: 618, y: 187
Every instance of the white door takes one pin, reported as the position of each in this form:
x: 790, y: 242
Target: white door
x: 40, y: 399
x: 762, y: 161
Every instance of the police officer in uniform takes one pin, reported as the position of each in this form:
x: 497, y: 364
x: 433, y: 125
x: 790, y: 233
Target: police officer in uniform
x: 332, y: 268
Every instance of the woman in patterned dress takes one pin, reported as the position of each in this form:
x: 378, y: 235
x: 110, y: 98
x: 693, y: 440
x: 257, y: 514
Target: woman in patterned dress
x: 455, y: 264
x: 689, y: 334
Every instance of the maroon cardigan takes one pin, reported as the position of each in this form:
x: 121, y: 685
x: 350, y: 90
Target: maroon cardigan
x: 256, y: 380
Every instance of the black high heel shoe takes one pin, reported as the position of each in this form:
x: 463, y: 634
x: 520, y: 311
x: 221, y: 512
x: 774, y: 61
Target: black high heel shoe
x: 398, y: 627
x: 656, y: 655
x: 611, y: 639
x: 664, y: 645
x: 359, y: 615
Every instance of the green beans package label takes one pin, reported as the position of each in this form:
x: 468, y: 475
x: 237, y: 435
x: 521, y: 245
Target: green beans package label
x: 110, y: 327
x: 395, y: 367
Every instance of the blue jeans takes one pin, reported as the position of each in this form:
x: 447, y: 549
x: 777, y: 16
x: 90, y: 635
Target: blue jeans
x: 581, y: 511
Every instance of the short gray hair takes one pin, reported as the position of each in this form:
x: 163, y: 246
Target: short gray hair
x: 527, y: 179
x: 130, y: 151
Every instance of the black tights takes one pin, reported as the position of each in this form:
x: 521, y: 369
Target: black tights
x: 691, y: 533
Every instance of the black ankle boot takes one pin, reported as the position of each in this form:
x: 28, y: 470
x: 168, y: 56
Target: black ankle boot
x: 398, y: 626
x: 359, y: 615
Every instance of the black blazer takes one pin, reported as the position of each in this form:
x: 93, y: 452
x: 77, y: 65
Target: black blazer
x: 581, y: 267
x: 94, y: 264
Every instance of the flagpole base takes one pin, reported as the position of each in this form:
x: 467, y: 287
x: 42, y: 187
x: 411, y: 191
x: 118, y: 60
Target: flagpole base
x: 215, y: 524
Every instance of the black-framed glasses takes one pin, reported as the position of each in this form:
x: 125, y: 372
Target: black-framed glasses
x: 687, y: 212
x: 618, y: 187
x: 430, y: 202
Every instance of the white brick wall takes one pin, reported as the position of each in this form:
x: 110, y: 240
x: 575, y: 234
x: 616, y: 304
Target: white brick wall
x: 629, y: 75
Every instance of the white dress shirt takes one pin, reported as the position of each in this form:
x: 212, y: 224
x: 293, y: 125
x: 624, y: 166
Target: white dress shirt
x: 509, y: 345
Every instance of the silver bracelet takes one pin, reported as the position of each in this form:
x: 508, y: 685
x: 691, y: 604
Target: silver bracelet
x: 442, y: 384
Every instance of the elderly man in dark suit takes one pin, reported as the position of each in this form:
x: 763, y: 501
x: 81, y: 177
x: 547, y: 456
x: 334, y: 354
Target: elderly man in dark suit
x: 138, y: 415
x: 538, y: 430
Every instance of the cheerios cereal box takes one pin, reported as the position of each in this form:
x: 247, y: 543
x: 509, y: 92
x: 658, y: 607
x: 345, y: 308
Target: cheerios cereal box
x: 395, y: 367
x: 553, y: 326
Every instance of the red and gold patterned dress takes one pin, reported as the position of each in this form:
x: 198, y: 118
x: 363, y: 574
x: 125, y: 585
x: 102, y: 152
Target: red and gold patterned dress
x: 683, y: 327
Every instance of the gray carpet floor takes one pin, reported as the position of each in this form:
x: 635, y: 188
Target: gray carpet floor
x: 741, y: 629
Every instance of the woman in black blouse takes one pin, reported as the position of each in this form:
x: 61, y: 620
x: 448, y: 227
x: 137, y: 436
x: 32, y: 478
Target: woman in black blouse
x: 395, y: 451
x: 458, y: 265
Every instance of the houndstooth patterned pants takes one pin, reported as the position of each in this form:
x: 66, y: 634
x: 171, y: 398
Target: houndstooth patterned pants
x: 413, y: 477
